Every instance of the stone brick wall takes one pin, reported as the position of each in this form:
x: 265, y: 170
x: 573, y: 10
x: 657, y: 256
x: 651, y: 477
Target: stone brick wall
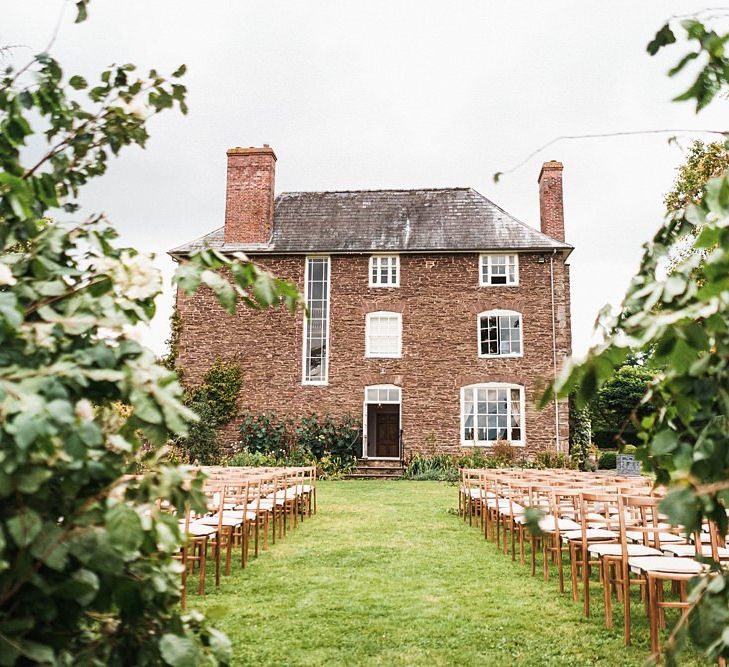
x: 439, y: 297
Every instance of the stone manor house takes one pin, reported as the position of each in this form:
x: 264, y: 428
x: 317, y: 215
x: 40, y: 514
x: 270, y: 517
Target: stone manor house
x: 435, y: 316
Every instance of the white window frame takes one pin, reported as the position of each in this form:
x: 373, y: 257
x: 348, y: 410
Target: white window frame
x: 508, y: 386
x: 380, y: 313
x: 377, y: 283
x: 485, y: 261
x: 325, y: 379
x: 500, y: 313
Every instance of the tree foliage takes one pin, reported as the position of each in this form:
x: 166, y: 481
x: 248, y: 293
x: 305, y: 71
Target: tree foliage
x: 87, y: 574
x: 703, y: 162
x: 617, y: 405
x: 682, y: 318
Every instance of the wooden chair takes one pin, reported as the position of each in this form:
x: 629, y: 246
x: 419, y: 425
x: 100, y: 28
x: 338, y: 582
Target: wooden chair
x: 648, y: 531
x: 193, y: 552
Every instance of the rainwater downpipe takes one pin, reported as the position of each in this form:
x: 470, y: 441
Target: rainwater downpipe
x: 558, y: 444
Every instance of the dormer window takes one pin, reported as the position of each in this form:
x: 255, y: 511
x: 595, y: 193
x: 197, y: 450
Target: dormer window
x: 384, y: 271
x: 499, y: 270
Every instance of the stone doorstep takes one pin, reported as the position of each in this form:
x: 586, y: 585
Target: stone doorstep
x: 369, y: 469
x: 362, y: 475
x: 379, y: 463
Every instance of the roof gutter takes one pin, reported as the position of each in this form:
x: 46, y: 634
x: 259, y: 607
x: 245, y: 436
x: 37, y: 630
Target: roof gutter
x: 567, y: 250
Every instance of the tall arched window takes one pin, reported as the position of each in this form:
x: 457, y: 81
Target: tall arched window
x: 500, y: 334
x: 491, y: 412
x: 383, y: 334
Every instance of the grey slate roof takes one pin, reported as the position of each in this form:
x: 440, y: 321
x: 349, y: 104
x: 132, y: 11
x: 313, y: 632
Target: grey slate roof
x: 447, y: 219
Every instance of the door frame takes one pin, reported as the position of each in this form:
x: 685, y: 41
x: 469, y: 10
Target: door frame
x: 386, y: 401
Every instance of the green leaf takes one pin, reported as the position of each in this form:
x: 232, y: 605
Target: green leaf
x: 77, y: 82
x: 38, y: 653
x: 221, y: 288
x: 50, y: 548
x: 682, y: 509
x: 264, y: 290
x: 180, y: 71
x: 663, y: 37
x: 24, y: 527
x: 664, y: 443
x: 125, y: 529
x: 31, y: 481
x: 10, y: 314
x: 220, y: 646
x: 81, y: 11
x: 533, y: 516
x: 179, y: 651
x: 82, y: 586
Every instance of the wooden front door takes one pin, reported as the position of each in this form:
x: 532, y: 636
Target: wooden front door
x: 387, y: 434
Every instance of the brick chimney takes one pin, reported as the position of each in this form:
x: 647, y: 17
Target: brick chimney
x: 551, y: 200
x: 249, y: 195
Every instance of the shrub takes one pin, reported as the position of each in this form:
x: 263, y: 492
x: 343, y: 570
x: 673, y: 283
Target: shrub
x: 580, y: 434
x: 548, y: 458
x: 248, y: 459
x: 503, y: 454
x: 215, y: 403
x: 440, y: 467
x: 266, y: 433
x: 325, y: 441
x: 325, y: 435
x: 607, y: 461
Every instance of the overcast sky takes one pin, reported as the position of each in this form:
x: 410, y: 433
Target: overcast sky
x: 388, y: 94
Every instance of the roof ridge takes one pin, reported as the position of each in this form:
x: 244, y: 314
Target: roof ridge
x: 335, y: 192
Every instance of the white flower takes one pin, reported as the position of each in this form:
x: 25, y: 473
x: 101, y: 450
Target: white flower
x: 6, y: 275
x: 85, y: 410
x: 135, y: 107
x: 135, y: 333
x: 134, y: 276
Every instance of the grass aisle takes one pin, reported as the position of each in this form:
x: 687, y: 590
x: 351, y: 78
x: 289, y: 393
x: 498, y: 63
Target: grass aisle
x: 386, y: 575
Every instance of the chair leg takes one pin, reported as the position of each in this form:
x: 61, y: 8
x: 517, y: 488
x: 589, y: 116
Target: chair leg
x: 574, y: 570
x: 183, y: 597
x: 245, y: 530
x: 652, y: 612
x: 216, y: 553
x: 228, y: 550
x: 203, y: 547
x: 607, y: 592
x: 626, y: 607
x: 558, y: 557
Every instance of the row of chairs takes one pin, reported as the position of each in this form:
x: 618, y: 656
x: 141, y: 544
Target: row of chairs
x: 244, y: 506
x: 608, y: 524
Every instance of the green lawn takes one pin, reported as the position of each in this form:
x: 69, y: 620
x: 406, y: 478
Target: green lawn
x: 387, y: 574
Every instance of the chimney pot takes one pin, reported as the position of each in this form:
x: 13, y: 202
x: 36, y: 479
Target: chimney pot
x: 551, y: 199
x: 249, y: 194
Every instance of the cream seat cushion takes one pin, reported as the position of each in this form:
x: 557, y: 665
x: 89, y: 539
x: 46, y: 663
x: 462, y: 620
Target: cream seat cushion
x: 667, y: 564
x: 617, y: 550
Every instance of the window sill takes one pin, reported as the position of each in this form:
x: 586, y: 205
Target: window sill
x: 310, y: 383
x: 500, y: 356
x: 498, y: 285
x: 486, y: 445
